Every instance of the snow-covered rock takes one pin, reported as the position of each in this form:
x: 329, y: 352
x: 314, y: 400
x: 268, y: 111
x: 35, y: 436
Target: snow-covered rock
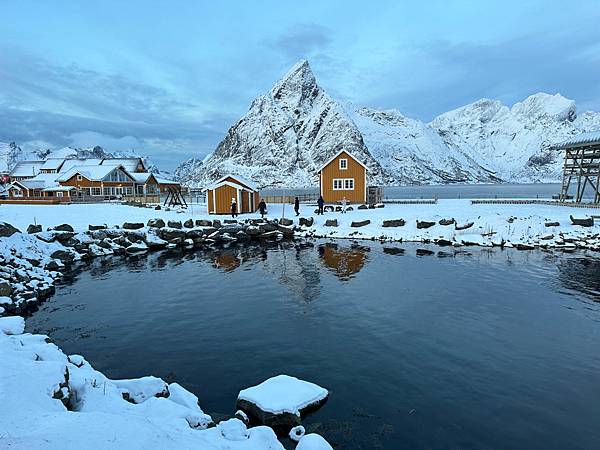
x: 279, y: 401
x: 313, y: 441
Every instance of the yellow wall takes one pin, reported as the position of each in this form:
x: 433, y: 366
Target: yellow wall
x: 332, y: 171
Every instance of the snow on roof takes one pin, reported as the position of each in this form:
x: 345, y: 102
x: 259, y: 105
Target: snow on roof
x: 130, y: 164
x: 326, y: 163
x: 141, y: 177
x: 59, y: 188
x: 53, y: 163
x: 40, y: 181
x: 92, y: 173
x: 581, y: 139
x: 240, y: 180
x: 165, y: 181
x: 26, y: 169
x: 74, y: 162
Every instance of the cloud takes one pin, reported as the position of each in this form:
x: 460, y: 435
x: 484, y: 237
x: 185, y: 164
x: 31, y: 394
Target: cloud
x: 71, y: 105
x: 439, y: 76
x: 302, y: 41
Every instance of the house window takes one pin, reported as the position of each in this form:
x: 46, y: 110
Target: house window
x: 59, y: 194
x: 79, y: 178
x: 96, y: 191
x: 343, y: 184
x: 343, y: 164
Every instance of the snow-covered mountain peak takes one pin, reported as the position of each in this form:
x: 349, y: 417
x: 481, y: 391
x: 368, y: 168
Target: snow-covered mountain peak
x: 383, y: 117
x: 295, y: 88
x: 481, y: 111
x: 542, y: 105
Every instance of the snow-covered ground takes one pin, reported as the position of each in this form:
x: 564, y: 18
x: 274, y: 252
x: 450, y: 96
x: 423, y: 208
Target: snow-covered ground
x: 50, y: 400
x: 527, y: 223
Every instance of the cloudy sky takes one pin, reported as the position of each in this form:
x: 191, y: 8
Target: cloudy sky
x: 167, y: 79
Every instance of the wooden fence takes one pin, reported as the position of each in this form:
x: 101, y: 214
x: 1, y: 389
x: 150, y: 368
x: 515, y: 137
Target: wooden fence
x: 534, y: 202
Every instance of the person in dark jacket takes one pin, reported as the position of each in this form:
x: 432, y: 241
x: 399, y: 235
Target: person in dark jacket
x: 297, y: 206
x: 320, y: 203
x: 234, y: 211
x: 262, y: 206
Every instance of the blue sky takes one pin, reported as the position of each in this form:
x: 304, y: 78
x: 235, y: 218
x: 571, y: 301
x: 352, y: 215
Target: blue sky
x: 168, y: 78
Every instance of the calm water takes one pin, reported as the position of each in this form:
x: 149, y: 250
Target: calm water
x: 420, y: 347
x: 537, y: 190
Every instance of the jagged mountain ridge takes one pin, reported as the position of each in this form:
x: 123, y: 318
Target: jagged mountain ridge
x: 291, y: 130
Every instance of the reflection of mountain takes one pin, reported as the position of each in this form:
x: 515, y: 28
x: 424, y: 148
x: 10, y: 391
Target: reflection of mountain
x: 344, y: 261
x: 582, y: 275
x: 295, y: 266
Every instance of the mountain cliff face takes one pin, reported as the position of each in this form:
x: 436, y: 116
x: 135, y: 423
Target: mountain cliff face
x: 514, y: 142
x: 285, y: 137
x: 292, y: 129
x: 9, y: 155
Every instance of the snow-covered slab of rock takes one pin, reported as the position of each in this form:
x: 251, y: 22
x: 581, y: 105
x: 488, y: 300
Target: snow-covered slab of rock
x: 280, y: 401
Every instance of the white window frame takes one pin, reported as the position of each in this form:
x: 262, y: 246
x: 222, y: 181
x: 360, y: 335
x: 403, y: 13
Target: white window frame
x: 79, y: 177
x: 343, y: 184
x: 59, y: 194
x: 96, y: 191
x: 344, y: 166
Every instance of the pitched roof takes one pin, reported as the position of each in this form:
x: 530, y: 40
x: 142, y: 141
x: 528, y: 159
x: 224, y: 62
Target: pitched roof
x: 338, y: 154
x: 92, y: 173
x: 53, y: 163
x: 40, y: 181
x: 241, y: 181
x: 26, y: 169
x: 581, y: 139
x: 165, y: 181
x: 130, y: 164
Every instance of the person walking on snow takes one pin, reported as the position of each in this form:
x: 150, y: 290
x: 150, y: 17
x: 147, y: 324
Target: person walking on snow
x: 233, y: 208
x: 344, y: 203
x: 297, y: 206
x: 262, y: 206
x: 320, y: 203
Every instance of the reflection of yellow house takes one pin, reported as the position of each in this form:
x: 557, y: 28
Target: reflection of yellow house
x: 226, y: 261
x: 345, y: 262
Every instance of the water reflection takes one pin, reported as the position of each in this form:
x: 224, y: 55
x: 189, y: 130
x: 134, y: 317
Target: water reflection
x: 581, y: 274
x: 345, y: 262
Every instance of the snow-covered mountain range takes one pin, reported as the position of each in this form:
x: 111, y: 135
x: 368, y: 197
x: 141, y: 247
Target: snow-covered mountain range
x: 291, y: 130
x: 11, y: 153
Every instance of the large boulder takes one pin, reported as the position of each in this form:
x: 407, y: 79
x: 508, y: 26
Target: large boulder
x: 64, y: 237
x: 216, y: 223
x: 362, y: 207
x: 174, y: 224
x: 306, y: 222
x: 280, y: 402
x: 156, y: 223
x: 168, y: 234
x: 203, y: 223
x: 360, y: 223
x: 97, y: 227
x: 331, y: 223
x: 6, y: 229
x: 63, y: 255
x: 31, y: 229
x: 394, y: 223
x: 133, y: 225
x: 5, y: 288
x: 188, y: 223
x: 63, y: 227
x: 285, y: 221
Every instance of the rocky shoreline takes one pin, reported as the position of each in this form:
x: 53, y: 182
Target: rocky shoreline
x: 30, y: 265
